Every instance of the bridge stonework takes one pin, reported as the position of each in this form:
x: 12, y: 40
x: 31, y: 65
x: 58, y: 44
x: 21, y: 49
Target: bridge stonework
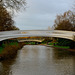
x: 38, y: 33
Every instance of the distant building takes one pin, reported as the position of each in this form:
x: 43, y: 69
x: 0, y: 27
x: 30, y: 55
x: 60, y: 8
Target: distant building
x: 49, y: 28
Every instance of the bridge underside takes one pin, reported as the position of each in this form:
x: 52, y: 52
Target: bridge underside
x: 34, y: 36
x: 46, y: 39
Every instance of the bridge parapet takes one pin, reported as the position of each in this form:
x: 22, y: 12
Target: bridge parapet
x: 45, y: 33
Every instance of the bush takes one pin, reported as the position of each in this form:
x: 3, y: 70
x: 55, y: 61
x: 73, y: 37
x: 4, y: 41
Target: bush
x: 10, y: 50
x: 66, y: 42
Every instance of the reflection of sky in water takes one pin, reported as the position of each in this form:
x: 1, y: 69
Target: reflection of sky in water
x: 39, y: 60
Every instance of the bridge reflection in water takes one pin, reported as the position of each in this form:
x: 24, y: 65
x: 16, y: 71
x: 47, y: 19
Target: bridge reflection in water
x: 39, y: 60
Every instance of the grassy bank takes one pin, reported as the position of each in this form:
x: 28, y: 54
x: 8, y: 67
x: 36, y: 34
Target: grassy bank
x: 1, y: 49
x: 60, y: 43
x: 9, y: 50
x: 55, y: 45
x: 5, y: 45
x: 50, y: 43
x: 65, y: 47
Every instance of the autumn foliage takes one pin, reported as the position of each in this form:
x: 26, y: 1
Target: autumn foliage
x: 65, y: 21
x: 6, y: 22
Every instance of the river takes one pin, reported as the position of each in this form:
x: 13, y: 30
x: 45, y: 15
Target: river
x: 39, y: 60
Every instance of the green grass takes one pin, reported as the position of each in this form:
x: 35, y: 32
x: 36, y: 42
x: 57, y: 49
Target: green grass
x: 9, y: 51
x: 50, y: 43
x: 27, y: 43
x: 4, y: 45
x: 1, y: 49
x: 43, y: 43
x: 66, y: 47
x: 33, y: 43
x: 14, y: 43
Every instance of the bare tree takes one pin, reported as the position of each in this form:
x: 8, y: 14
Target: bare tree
x: 6, y: 22
x: 13, y: 4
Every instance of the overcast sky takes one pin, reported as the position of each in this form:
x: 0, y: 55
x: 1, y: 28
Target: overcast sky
x: 40, y: 14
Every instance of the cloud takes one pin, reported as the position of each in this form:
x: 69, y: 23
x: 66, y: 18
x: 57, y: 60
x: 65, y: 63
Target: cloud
x: 40, y: 14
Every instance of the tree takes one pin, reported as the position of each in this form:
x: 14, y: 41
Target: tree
x: 13, y: 4
x: 15, y: 28
x: 65, y: 21
x: 6, y: 22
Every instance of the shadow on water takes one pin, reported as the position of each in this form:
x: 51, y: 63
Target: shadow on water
x: 66, y: 59
x: 5, y: 65
x: 62, y: 53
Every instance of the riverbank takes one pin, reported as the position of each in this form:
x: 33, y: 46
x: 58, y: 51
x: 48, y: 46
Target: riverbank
x: 10, y: 50
x: 68, y: 49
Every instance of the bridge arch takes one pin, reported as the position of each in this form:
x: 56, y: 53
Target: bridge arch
x: 37, y: 33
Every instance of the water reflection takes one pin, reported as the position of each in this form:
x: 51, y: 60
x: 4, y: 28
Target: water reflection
x: 39, y: 60
x: 64, y: 61
x: 5, y: 66
x: 63, y: 54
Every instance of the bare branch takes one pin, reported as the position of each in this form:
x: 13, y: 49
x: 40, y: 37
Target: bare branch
x: 13, y: 4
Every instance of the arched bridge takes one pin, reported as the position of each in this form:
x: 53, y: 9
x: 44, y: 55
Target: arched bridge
x: 44, y: 33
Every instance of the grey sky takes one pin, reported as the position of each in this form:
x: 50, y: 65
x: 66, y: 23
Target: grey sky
x: 40, y: 14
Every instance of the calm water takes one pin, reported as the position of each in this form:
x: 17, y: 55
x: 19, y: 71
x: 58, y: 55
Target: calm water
x: 39, y: 60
